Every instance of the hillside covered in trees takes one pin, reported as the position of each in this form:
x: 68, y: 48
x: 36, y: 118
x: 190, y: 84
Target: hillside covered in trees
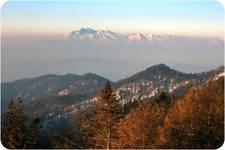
x: 192, y: 120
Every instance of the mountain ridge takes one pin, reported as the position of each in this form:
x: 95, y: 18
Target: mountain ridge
x: 146, y: 83
x: 107, y: 35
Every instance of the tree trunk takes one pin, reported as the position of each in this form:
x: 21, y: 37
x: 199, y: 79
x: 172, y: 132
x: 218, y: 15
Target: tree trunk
x: 107, y: 146
x: 108, y: 140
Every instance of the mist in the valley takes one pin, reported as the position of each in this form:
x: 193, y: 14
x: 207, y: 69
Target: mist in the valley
x: 31, y: 56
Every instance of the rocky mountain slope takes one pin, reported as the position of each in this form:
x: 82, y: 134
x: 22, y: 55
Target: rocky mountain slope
x: 158, y: 78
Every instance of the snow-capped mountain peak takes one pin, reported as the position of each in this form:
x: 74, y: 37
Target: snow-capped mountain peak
x: 91, y: 34
x: 87, y: 31
x: 137, y: 37
x: 149, y: 36
x: 106, y: 35
x: 99, y: 36
x: 78, y: 34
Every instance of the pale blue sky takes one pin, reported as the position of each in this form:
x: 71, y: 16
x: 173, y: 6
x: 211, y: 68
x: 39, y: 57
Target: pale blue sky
x: 201, y: 18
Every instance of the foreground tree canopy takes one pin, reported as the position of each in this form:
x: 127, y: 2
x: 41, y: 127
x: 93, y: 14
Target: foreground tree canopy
x: 18, y: 130
x: 197, y: 119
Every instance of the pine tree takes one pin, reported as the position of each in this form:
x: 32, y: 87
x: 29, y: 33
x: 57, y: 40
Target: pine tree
x: 163, y: 98
x: 139, y: 130
x: 107, y: 112
x: 17, y: 132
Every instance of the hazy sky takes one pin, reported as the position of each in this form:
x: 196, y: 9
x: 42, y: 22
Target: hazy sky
x: 32, y: 32
x: 201, y: 18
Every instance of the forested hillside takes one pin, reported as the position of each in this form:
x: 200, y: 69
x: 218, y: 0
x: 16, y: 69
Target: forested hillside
x: 194, y: 120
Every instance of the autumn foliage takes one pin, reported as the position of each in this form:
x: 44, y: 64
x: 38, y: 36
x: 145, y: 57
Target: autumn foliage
x: 195, y: 120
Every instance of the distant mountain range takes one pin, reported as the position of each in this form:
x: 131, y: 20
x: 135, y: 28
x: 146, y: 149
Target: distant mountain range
x: 141, y: 85
x: 88, y: 34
